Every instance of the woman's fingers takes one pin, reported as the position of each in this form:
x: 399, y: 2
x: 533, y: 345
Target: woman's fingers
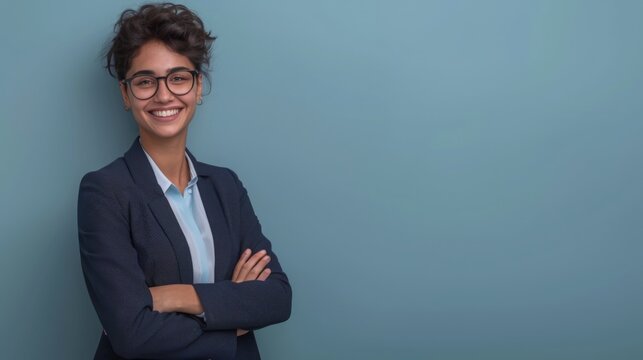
x: 264, y: 274
x: 258, y: 269
x: 246, y: 272
x: 253, y: 266
x: 242, y: 260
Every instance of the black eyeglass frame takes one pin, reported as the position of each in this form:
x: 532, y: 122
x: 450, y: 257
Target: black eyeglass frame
x: 128, y: 82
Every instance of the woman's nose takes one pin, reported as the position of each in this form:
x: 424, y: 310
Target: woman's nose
x: 163, y: 94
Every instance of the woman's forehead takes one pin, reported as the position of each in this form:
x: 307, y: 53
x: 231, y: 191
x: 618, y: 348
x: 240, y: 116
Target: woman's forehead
x: 157, y: 58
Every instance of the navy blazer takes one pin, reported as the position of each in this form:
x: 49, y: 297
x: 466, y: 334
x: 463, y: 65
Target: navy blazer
x: 130, y: 240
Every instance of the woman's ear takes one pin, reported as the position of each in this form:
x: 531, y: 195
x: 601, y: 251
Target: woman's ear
x: 126, y: 101
x: 199, y: 87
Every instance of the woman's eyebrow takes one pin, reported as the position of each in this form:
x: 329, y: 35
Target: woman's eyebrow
x: 150, y: 72
x: 178, y: 68
x: 143, y: 72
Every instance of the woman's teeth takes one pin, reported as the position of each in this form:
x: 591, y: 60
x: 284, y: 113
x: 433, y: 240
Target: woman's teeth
x: 165, y: 113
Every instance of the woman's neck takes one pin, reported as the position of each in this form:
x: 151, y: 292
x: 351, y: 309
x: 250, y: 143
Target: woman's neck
x: 169, y: 156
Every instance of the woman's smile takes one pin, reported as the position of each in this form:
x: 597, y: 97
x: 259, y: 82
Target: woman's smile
x: 165, y: 115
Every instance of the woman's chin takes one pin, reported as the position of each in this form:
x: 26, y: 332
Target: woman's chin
x: 165, y: 133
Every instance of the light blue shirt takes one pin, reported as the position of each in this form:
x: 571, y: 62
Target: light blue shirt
x: 190, y: 214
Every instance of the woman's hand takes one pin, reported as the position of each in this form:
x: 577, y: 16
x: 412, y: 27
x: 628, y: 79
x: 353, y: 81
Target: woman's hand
x: 251, y: 267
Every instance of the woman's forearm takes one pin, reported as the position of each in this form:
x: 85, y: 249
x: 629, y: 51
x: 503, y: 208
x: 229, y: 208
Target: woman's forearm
x: 179, y: 298
x: 176, y: 298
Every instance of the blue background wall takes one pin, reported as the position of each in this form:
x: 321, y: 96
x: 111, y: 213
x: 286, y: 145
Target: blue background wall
x: 441, y: 179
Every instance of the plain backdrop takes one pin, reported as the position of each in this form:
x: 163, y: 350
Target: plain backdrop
x: 440, y: 179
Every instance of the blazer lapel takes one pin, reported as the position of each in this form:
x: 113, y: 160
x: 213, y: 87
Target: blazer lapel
x: 216, y: 218
x: 143, y: 175
x: 165, y: 217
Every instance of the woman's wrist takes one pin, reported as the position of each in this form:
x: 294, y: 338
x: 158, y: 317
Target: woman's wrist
x: 187, y: 300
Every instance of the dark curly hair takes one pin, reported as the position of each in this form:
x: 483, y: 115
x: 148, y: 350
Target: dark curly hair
x: 175, y: 25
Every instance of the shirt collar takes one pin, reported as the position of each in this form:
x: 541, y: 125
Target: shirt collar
x: 163, y: 181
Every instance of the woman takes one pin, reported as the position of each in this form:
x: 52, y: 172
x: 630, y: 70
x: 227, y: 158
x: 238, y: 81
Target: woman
x: 173, y: 255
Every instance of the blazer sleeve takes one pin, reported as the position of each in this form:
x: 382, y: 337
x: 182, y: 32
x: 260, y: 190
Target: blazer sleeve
x: 251, y: 304
x: 118, y: 290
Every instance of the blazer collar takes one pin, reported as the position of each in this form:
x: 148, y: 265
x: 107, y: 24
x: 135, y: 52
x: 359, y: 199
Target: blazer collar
x: 142, y: 171
x: 140, y: 168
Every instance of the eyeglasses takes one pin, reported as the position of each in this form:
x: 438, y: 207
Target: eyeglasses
x: 144, y: 87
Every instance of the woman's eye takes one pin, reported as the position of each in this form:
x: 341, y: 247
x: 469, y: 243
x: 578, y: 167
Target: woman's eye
x: 144, y: 82
x: 178, y: 79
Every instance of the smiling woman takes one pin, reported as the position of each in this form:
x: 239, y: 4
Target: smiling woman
x: 162, y: 109
x: 173, y: 255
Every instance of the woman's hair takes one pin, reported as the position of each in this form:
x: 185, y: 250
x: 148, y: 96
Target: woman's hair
x: 174, y: 25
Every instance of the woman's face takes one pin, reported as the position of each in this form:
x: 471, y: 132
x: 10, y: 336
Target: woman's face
x: 164, y: 115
